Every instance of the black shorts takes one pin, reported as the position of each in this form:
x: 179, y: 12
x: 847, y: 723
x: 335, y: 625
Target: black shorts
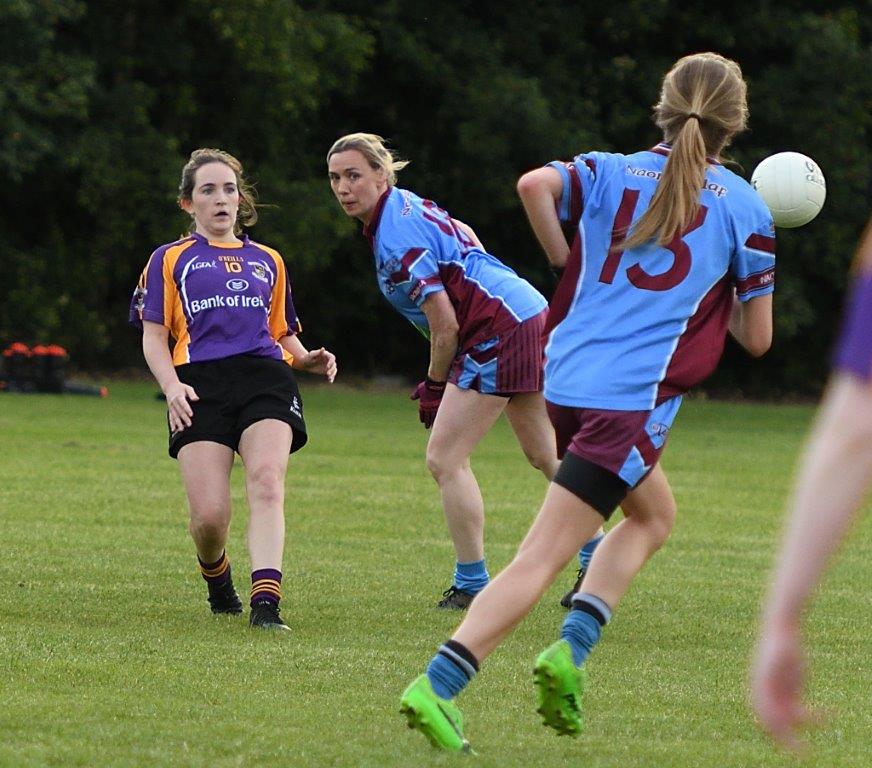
x: 235, y: 393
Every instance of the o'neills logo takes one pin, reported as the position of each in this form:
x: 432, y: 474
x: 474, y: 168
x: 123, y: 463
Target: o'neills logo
x: 648, y: 173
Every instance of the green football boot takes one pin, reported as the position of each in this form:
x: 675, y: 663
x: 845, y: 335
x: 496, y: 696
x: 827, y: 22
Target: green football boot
x: 437, y: 718
x: 559, y: 685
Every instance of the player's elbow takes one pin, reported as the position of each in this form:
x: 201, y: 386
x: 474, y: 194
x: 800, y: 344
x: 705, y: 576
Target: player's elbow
x: 758, y: 344
x: 530, y: 184
x: 447, y: 330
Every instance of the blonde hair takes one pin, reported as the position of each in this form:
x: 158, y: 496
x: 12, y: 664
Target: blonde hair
x: 703, y: 104
x: 247, y: 214
x: 373, y: 148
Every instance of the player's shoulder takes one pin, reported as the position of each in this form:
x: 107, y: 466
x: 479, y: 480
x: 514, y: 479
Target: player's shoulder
x: 600, y: 163
x: 405, y: 203
x: 401, y: 218
x: 272, y: 252
x: 737, y: 184
x: 173, y: 249
x: 743, y: 200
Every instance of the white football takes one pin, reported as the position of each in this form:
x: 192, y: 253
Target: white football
x: 792, y: 186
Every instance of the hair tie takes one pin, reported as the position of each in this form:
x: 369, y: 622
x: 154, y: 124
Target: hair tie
x: 694, y: 114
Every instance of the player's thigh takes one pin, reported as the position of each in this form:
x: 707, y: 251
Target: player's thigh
x: 464, y: 418
x: 651, y: 499
x: 205, y: 468
x: 564, y: 523
x: 529, y: 420
x: 265, y: 447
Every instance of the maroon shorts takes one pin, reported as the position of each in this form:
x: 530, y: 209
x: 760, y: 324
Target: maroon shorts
x: 626, y: 443
x: 507, y: 364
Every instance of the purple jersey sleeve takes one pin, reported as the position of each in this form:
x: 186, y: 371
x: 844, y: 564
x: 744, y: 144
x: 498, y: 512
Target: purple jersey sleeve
x: 854, y: 347
x: 148, y: 300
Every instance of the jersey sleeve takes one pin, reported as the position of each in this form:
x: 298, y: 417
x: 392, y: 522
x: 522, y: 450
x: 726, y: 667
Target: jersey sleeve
x: 155, y: 293
x: 854, y: 347
x: 569, y: 206
x: 853, y: 352
x: 283, y: 320
x: 579, y: 177
x: 753, y: 263
x: 414, y: 271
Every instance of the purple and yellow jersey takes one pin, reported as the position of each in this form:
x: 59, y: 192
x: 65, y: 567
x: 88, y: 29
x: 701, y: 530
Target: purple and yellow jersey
x: 419, y: 250
x: 629, y: 329
x: 854, y: 347
x: 217, y: 299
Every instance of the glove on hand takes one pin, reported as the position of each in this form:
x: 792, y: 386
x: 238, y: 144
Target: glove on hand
x: 428, y: 394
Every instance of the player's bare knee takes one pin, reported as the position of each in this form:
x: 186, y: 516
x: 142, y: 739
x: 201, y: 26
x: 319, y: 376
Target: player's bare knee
x: 209, y: 527
x: 661, y: 523
x: 265, y: 482
x: 442, y: 465
x: 537, y: 460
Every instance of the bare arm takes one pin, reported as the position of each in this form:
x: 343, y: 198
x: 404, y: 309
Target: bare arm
x: 443, y: 334
x: 317, y: 361
x: 834, y: 476
x: 751, y: 324
x: 540, y: 191
x: 157, y: 355
x: 469, y: 232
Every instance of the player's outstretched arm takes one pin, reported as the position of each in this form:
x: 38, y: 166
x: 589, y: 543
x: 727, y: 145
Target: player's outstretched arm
x: 834, y: 475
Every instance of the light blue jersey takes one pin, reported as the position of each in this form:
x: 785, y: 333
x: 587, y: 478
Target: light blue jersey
x: 419, y: 250
x: 630, y: 328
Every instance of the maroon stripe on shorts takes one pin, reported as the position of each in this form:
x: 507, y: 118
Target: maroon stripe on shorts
x: 649, y: 451
x: 519, y: 354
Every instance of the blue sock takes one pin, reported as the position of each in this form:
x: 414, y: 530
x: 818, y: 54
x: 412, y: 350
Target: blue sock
x: 451, y: 669
x: 471, y: 577
x: 586, y: 552
x: 583, y: 625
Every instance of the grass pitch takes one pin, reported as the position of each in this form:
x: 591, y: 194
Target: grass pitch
x: 109, y: 655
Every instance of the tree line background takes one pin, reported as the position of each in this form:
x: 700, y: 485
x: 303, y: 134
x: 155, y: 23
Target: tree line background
x: 101, y: 102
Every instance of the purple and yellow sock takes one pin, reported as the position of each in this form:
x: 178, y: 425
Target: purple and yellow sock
x: 217, y: 573
x: 266, y: 586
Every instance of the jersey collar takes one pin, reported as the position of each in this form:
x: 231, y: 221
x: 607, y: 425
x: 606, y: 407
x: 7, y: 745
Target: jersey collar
x: 199, y: 238
x: 370, y: 229
x: 664, y: 148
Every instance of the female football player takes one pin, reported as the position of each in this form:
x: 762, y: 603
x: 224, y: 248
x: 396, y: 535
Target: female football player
x: 840, y: 447
x: 226, y: 301
x: 672, y: 250
x: 484, y: 324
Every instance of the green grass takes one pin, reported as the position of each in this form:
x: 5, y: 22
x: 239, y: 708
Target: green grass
x: 109, y: 656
